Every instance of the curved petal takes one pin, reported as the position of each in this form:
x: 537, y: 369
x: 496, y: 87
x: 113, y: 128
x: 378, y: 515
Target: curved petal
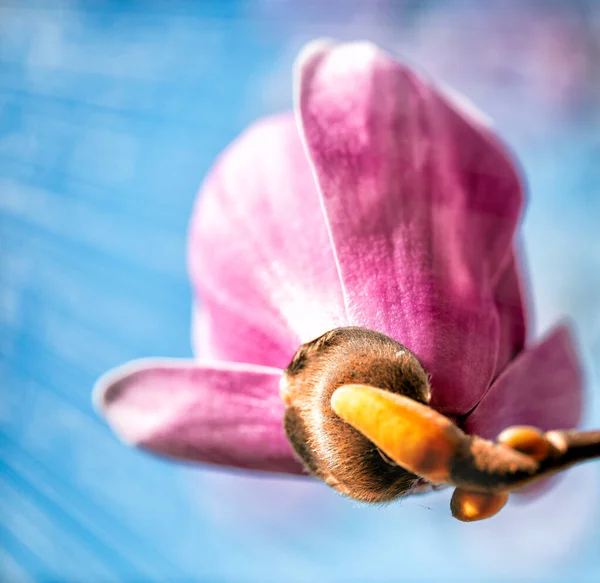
x: 542, y: 387
x: 219, y: 413
x: 511, y: 314
x: 421, y: 202
x: 260, y: 257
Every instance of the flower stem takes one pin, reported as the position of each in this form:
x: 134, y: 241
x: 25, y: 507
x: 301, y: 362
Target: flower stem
x: 484, y: 466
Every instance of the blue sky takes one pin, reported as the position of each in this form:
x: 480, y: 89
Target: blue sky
x: 111, y: 113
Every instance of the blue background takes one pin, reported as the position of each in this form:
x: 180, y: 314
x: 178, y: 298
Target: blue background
x: 110, y: 115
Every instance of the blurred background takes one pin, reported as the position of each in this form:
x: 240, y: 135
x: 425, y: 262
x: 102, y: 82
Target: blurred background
x: 111, y: 113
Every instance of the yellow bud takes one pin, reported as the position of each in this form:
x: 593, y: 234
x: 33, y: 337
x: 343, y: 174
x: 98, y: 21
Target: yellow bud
x: 472, y: 506
x: 527, y: 440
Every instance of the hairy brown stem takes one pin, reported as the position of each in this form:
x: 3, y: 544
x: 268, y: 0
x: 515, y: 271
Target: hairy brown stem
x: 483, y: 466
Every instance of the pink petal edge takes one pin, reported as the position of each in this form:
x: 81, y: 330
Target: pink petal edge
x: 213, y: 412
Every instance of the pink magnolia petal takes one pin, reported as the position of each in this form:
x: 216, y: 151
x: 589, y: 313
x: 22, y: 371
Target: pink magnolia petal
x: 220, y: 413
x: 542, y: 387
x: 422, y: 203
x: 511, y: 313
x: 260, y: 257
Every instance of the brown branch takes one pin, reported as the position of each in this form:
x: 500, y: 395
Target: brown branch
x: 484, y: 466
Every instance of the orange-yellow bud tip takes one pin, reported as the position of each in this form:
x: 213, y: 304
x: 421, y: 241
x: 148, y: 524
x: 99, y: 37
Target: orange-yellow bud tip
x: 415, y: 436
x: 472, y: 506
x: 527, y: 440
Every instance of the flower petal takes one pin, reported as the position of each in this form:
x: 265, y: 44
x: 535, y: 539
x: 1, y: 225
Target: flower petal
x: 422, y: 203
x: 511, y: 313
x: 260, y: 257
x: 220, y: 413
x: 542, y: 387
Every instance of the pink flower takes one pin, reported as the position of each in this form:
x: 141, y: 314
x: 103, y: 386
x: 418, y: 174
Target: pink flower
x: 384, y: 203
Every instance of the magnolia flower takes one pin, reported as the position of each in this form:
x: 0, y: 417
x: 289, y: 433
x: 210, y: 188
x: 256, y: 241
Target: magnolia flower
x: 378, y: 219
